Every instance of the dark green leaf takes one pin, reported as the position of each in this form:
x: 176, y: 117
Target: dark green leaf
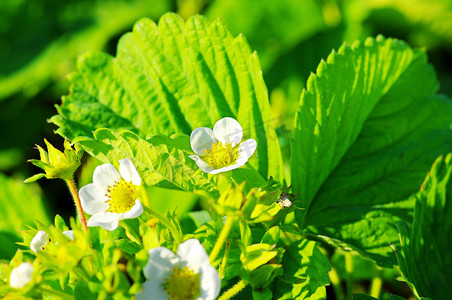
x: 368, y: 128
x: 425, y: 253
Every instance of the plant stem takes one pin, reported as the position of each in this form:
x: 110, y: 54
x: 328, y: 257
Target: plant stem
x: 375, y: 287
x: 175, y: 233
x: 224, y: 261
x: 349, y: 270
x: 55, y: 293
x: 221, y: 239
x: 336, y: 282
x: 234, y: 290
x: 78, y: 205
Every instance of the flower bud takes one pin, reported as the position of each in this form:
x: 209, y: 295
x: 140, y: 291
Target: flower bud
x: 55, y: 163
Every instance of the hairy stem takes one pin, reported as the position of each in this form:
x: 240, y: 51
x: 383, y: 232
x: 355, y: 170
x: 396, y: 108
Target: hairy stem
x: 78, y: 205
x: 237, y: 288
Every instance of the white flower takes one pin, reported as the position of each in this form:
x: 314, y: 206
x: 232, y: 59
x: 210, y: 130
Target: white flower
x: 113, y: 195
x: 185, y: 275
x: 69, y: 234
x: 21, y: 275
x: 39, y: 241
x: 220, y: 150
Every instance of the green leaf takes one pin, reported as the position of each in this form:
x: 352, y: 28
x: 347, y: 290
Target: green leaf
x: 159, y: 159
x: 173, y: 77
x: 20, y: 205
x: 128, y: 246
x: 425, y: 257
x: 305, y: 272
x: 368, y: 128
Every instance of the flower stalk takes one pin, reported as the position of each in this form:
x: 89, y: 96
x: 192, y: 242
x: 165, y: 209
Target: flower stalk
x: 78, y: 205
x: 221, y: 239
x: 237, y: 288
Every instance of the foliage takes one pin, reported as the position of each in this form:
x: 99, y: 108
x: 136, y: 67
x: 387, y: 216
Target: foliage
x: 333, y: 192
x: 360, y: 108
x: 429, y: 236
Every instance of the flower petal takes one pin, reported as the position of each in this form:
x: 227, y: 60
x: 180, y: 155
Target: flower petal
x: 40, y: 240
x: 225, y: 169
x: 201, y: 139
x: 134, y: 212
x: 160, y: 265
x: 246, y: 149
x: 210, y: 283
x: 21, y: 275
x: 152, y: 290
x: 105, y: 175
x: 107, y: 220
x: 204, y: 166
x: 93, y: 199
x: 193, y: 254
x: 69, y: 234
x: 129, y: 171
x: 228, y: 130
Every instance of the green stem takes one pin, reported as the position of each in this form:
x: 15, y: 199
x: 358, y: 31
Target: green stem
x: 221, y: 239
x: 224, y: 261
x: 234, y: 290
x: 78, y: 205
x: 375, y: 287
x: 349, y: 270
x: 175, y: 233
x: 55, y: 293
x: 336, y: 282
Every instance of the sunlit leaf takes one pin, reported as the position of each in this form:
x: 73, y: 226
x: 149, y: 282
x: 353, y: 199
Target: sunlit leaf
x: 159, y: 159
x: 172, y: 78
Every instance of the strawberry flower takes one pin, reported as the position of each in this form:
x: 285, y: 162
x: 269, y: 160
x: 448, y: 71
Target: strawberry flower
x: 185, y: 275
x: 21, y: 275
x: 39, y: 241
x: 113, y: 195
x: 220, y: 150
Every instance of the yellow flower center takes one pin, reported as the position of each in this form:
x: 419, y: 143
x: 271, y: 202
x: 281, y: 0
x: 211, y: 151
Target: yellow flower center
x: 122, y: 196
x: 221, y: 155
x: 182, y: 284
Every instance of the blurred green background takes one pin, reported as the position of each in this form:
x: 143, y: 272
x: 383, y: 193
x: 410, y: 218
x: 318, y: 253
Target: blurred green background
x: 41, y: 39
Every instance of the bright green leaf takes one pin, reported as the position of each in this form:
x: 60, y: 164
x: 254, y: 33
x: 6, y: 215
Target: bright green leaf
x: 172, y: 78
x: 368, y: 128
x: 159, y: 159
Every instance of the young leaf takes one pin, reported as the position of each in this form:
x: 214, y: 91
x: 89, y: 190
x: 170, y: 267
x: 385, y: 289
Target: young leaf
x: 173, y: 77
x: 305, y: 272
x: 160, y: 160
x: 425, y: 257
x: 368, y: 128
